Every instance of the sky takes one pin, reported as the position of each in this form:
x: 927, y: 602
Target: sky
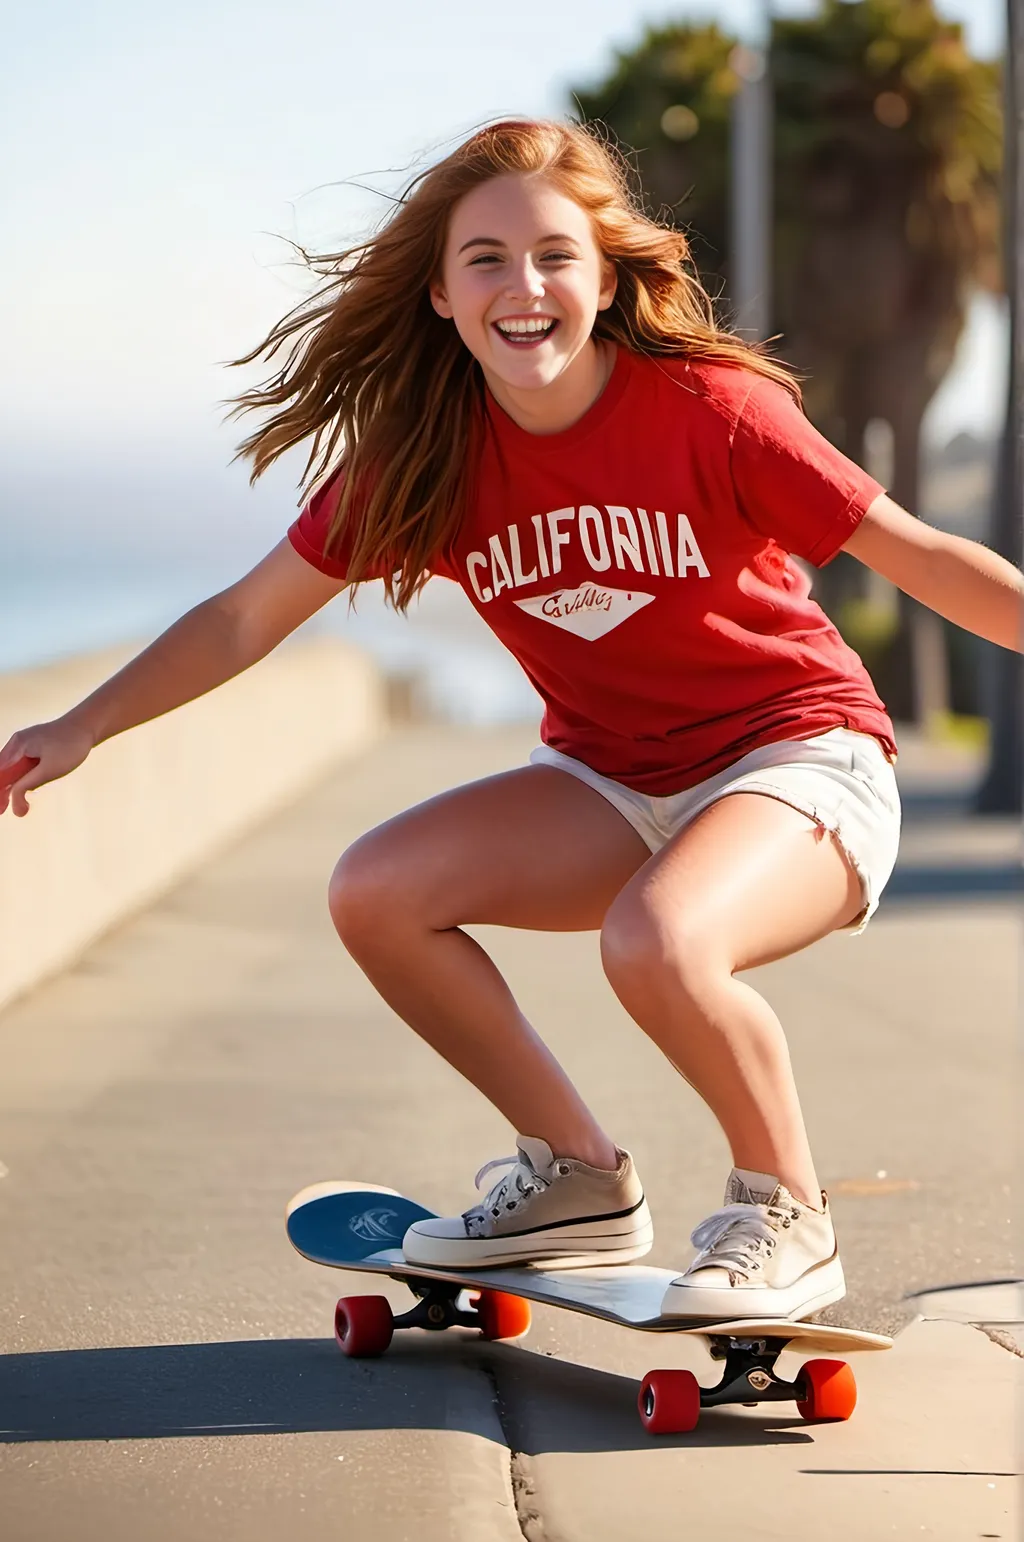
x: 154, y: 155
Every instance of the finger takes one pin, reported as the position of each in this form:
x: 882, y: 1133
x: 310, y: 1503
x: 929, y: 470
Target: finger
x: 33, y: 779
x: 11, y: 774
x: 15, y: 781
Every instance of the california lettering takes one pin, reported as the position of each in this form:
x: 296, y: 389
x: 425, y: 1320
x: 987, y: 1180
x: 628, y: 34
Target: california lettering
x: 608, y: 537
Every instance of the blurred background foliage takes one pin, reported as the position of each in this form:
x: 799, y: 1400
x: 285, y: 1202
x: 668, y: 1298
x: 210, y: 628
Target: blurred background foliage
x: 887, y: 178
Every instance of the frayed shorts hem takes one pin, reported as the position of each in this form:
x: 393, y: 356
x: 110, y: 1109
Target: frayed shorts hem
x: 842, y: 780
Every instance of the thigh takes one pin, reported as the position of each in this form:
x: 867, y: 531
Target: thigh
x: 751, y: 880
x: 533, y: 848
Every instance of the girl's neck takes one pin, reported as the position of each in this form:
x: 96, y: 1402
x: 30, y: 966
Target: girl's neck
x: 558, y: 406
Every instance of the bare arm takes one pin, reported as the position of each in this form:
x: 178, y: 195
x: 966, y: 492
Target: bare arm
x: 961, y: 580
x: 210, y: 644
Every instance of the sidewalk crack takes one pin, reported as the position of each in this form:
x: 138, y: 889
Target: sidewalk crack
x: 524, y: 1491
x: 1004, y: 1340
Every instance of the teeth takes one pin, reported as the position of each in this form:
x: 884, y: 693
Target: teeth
x: 511, y: 328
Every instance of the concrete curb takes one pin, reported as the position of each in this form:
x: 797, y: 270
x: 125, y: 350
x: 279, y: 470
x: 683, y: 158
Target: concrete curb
x: 151, y: 805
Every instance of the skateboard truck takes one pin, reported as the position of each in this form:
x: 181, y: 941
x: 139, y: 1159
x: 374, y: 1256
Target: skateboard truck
x: 437, y: 1307
x: 750, y: 1366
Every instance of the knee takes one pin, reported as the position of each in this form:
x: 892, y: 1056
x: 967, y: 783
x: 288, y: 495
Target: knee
x: 644, y: 951
x: 632, y: 944
x: 365, y: 893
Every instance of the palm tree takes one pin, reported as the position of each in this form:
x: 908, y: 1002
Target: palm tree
x: 669, y: 102
x: 887, y: 155
x: 887, y: 215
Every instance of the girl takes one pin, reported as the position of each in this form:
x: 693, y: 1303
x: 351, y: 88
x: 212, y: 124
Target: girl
x: 518, y: 384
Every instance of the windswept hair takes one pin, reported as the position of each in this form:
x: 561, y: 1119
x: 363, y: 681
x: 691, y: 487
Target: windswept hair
x: 388, y: 390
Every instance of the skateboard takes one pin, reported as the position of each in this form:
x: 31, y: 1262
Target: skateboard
x: 360, y: 1226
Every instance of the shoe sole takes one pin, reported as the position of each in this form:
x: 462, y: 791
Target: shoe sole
x: 572, y: 1252
x: 694, y: 1301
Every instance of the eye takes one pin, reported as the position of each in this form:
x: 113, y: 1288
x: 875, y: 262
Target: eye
x: 489, y: 258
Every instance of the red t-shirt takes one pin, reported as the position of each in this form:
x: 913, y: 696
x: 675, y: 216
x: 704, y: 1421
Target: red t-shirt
x: 636, y: 565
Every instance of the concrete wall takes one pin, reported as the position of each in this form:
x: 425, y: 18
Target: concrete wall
x: 150, y: 804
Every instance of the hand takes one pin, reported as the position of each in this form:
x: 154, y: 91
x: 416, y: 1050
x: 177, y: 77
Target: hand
x: 37, y: 755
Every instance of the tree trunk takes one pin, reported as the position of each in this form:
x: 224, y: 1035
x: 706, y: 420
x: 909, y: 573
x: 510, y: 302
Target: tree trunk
x: 1001, y: 791
x: 844, y: 577
x: 919, y: 666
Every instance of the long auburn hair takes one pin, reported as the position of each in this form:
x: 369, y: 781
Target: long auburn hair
x: 388, y: 390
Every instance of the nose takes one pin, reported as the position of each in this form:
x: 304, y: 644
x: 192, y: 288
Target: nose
x: 525, y: 282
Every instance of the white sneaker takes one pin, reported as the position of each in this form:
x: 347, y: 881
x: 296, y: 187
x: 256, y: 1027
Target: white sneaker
x: 548, y: 1209
x: 764, y: 1254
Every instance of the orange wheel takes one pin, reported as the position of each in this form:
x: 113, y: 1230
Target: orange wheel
x: 363, y: 1325
x: 502, y: 1316
x: 831, y: 1390
x: 669, y: 1402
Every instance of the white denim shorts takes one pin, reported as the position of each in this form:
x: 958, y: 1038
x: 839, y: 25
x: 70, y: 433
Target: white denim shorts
x: 841, y: 779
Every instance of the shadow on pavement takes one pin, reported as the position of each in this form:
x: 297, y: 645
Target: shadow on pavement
x: 267, y: 1386
x: 961, y: 881
x: 900, y: 1472
x: 985, y: 875
x: 925, y: 807
x: 548, y: 1404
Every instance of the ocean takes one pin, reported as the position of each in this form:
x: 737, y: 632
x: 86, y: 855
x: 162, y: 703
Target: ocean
x: 454, y: 668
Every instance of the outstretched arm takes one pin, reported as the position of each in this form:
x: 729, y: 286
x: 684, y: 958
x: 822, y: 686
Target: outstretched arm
x: 959, y: 579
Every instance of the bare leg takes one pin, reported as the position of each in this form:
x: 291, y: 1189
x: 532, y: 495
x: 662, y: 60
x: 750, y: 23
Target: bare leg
x: 751, y: 880
x: 532, y: 848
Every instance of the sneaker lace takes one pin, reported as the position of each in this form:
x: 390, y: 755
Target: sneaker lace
x: 752, y: 1233
x: 522, y: 1181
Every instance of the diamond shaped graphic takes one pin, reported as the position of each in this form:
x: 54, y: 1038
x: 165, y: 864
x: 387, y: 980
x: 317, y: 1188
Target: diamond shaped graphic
x: 590, y: 611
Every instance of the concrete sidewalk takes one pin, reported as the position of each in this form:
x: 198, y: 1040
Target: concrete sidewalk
x: 168, y: 1368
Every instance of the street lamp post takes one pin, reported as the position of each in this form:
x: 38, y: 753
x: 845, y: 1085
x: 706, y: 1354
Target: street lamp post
x: 751, y: 192
x: 751, y: 195
x: 1002, y: 791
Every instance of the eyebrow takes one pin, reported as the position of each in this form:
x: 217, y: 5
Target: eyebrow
x: 490, y: 241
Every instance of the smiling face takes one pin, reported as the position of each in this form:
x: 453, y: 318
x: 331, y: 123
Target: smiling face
x: 523, y: 280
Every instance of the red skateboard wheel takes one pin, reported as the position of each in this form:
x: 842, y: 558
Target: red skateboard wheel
x: 502, y: 1316
x: 363, y: 1325
x: 831, y: 1390
x: 669, y: 1402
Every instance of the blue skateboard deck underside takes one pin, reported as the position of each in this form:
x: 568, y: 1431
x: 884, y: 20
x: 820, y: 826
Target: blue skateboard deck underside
x: 349, y: 1229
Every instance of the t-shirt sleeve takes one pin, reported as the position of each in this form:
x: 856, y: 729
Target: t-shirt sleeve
x: 791, y: 484
x: 308, y: 535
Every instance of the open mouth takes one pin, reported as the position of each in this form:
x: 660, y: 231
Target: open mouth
x: 525, y: 333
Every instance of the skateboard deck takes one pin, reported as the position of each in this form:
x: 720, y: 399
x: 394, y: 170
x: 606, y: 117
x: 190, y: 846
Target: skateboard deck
x: 360, y: 1226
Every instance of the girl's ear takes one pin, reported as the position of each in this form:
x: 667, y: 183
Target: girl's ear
x: 439, y: 300
x: 609, y: 284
